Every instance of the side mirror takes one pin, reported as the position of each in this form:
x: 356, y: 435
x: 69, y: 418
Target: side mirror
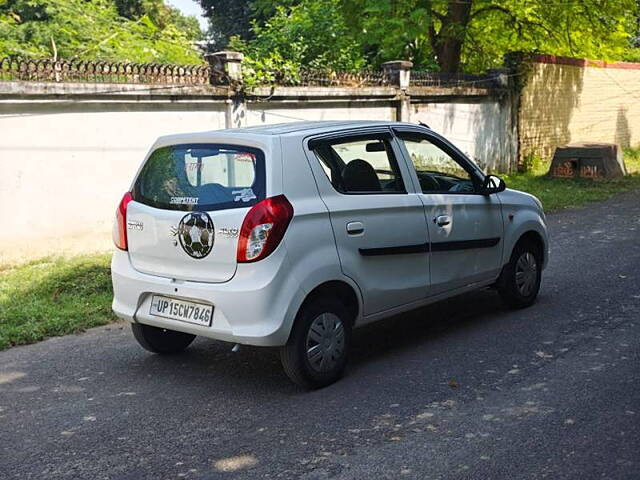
x: 493, y: 184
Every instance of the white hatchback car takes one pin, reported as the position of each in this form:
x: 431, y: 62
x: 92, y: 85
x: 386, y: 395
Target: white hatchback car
x: 291, y: 235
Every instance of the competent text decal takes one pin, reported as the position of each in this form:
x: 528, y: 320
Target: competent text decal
x: 184, y: 200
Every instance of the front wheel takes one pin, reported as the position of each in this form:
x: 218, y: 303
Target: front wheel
x: 519, y: 282
x: 316, y: 354
x: 161, y: 340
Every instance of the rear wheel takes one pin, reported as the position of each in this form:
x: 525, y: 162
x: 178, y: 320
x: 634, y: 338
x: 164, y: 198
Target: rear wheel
x: 161, y: 340
x: 316, y: 353
x: 519, y: 281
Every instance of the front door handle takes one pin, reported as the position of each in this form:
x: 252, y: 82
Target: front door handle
x: 355, y: 228
x: 442, y: 220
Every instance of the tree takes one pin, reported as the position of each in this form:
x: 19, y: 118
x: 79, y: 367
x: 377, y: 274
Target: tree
x: 311, y: 34
x: 447, y: 41
x: 227, y: 18
x: 234, y: 18
x: 447, y: 35
x: 161, y: 14
x: 97, y: 30
x: 475, y: 34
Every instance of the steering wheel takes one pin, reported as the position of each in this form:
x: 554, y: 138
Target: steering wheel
x: 429, y: 184
x: 462, y: 187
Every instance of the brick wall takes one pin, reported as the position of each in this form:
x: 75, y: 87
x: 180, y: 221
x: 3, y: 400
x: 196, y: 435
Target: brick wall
x: 568, y: 100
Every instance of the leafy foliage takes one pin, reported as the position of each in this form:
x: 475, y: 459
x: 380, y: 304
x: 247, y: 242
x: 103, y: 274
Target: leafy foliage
x: 587, y: 29
x: 286, y: 35
x: 234, y: 18
x: 446, y: 35
x: 116, y: 30
x: 311, y: 34
x: 228, y: 19
x: 485, y: 30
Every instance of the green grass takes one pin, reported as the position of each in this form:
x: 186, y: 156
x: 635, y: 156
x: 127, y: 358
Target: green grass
x: 556, y: 193
x: 52, y: 297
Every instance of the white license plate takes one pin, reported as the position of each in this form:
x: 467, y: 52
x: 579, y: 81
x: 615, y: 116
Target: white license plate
x: 190, y: 312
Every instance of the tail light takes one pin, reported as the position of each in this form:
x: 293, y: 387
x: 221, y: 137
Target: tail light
x: 263, y: 228
x: 120, y: 227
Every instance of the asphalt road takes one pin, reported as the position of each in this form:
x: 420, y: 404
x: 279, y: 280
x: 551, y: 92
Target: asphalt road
x: 463, y: 389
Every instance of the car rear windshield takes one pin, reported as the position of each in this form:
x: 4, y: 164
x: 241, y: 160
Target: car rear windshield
x: 202, y: 177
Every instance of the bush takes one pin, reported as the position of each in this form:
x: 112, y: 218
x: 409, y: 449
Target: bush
x: 313, y: 33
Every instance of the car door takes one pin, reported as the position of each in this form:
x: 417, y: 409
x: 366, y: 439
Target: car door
x: 378, y: 222
x: 465, y: 226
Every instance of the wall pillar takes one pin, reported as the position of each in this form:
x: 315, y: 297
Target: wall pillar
x: 228, y: 65
x: 398, y: 74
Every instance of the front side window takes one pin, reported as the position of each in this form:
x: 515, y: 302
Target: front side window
x: 437, y: 171
x: 201, y: 177
x: 361, y: 166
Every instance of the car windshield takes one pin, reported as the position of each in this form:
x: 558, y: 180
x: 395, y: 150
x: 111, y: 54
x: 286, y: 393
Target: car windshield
x: 201, y: 177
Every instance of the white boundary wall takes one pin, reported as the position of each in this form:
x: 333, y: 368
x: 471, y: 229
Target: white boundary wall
x: 66, y: 159
x: 482, y: 130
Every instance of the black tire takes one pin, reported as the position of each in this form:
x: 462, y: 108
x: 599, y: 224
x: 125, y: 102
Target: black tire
x: 510, y: 284
x: 161, y: 340
x: 294, y: 357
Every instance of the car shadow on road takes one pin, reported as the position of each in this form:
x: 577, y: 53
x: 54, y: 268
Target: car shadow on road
x: 427, y: 324
x: 257, y: 371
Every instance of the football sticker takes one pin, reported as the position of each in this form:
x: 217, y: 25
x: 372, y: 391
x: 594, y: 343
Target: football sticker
x: 195, y: 233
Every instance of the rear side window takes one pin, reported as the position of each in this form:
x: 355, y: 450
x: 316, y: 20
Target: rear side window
x: 202, y: 177
x: 360, y: 166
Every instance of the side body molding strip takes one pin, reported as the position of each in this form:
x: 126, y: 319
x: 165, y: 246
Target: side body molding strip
x: 430, y: 247
x: 398, y: 250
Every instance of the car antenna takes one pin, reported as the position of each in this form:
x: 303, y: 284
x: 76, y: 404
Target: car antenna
x: 422, y: 124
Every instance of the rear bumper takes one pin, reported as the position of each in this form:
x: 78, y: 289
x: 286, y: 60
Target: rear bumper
x: 256, y: 307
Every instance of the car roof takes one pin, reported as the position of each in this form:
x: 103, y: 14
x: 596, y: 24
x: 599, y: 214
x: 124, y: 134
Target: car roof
x: 305, y: 126
x: 266, y: 133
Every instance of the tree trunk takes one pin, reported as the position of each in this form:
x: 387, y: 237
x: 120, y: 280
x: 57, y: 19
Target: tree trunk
x: 450, y: 38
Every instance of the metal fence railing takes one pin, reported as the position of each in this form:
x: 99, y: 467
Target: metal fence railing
x: 443, y: 80
x: 106, y: 72
x: 372, y: 78
x: 163, y: 74
x: 319, y: 78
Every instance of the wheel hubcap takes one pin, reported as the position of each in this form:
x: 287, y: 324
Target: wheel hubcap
x: 526, y: 274
x: 325, y: 342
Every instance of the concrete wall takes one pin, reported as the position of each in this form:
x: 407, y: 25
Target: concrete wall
x: 68, y: 152
x: 567, y: 100
x: 265, y: 114
x: 65, y: 165
x: 482, y: 130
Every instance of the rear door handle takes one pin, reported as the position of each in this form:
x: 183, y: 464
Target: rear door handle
x: 442, y: 220
x: 355, y: 228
